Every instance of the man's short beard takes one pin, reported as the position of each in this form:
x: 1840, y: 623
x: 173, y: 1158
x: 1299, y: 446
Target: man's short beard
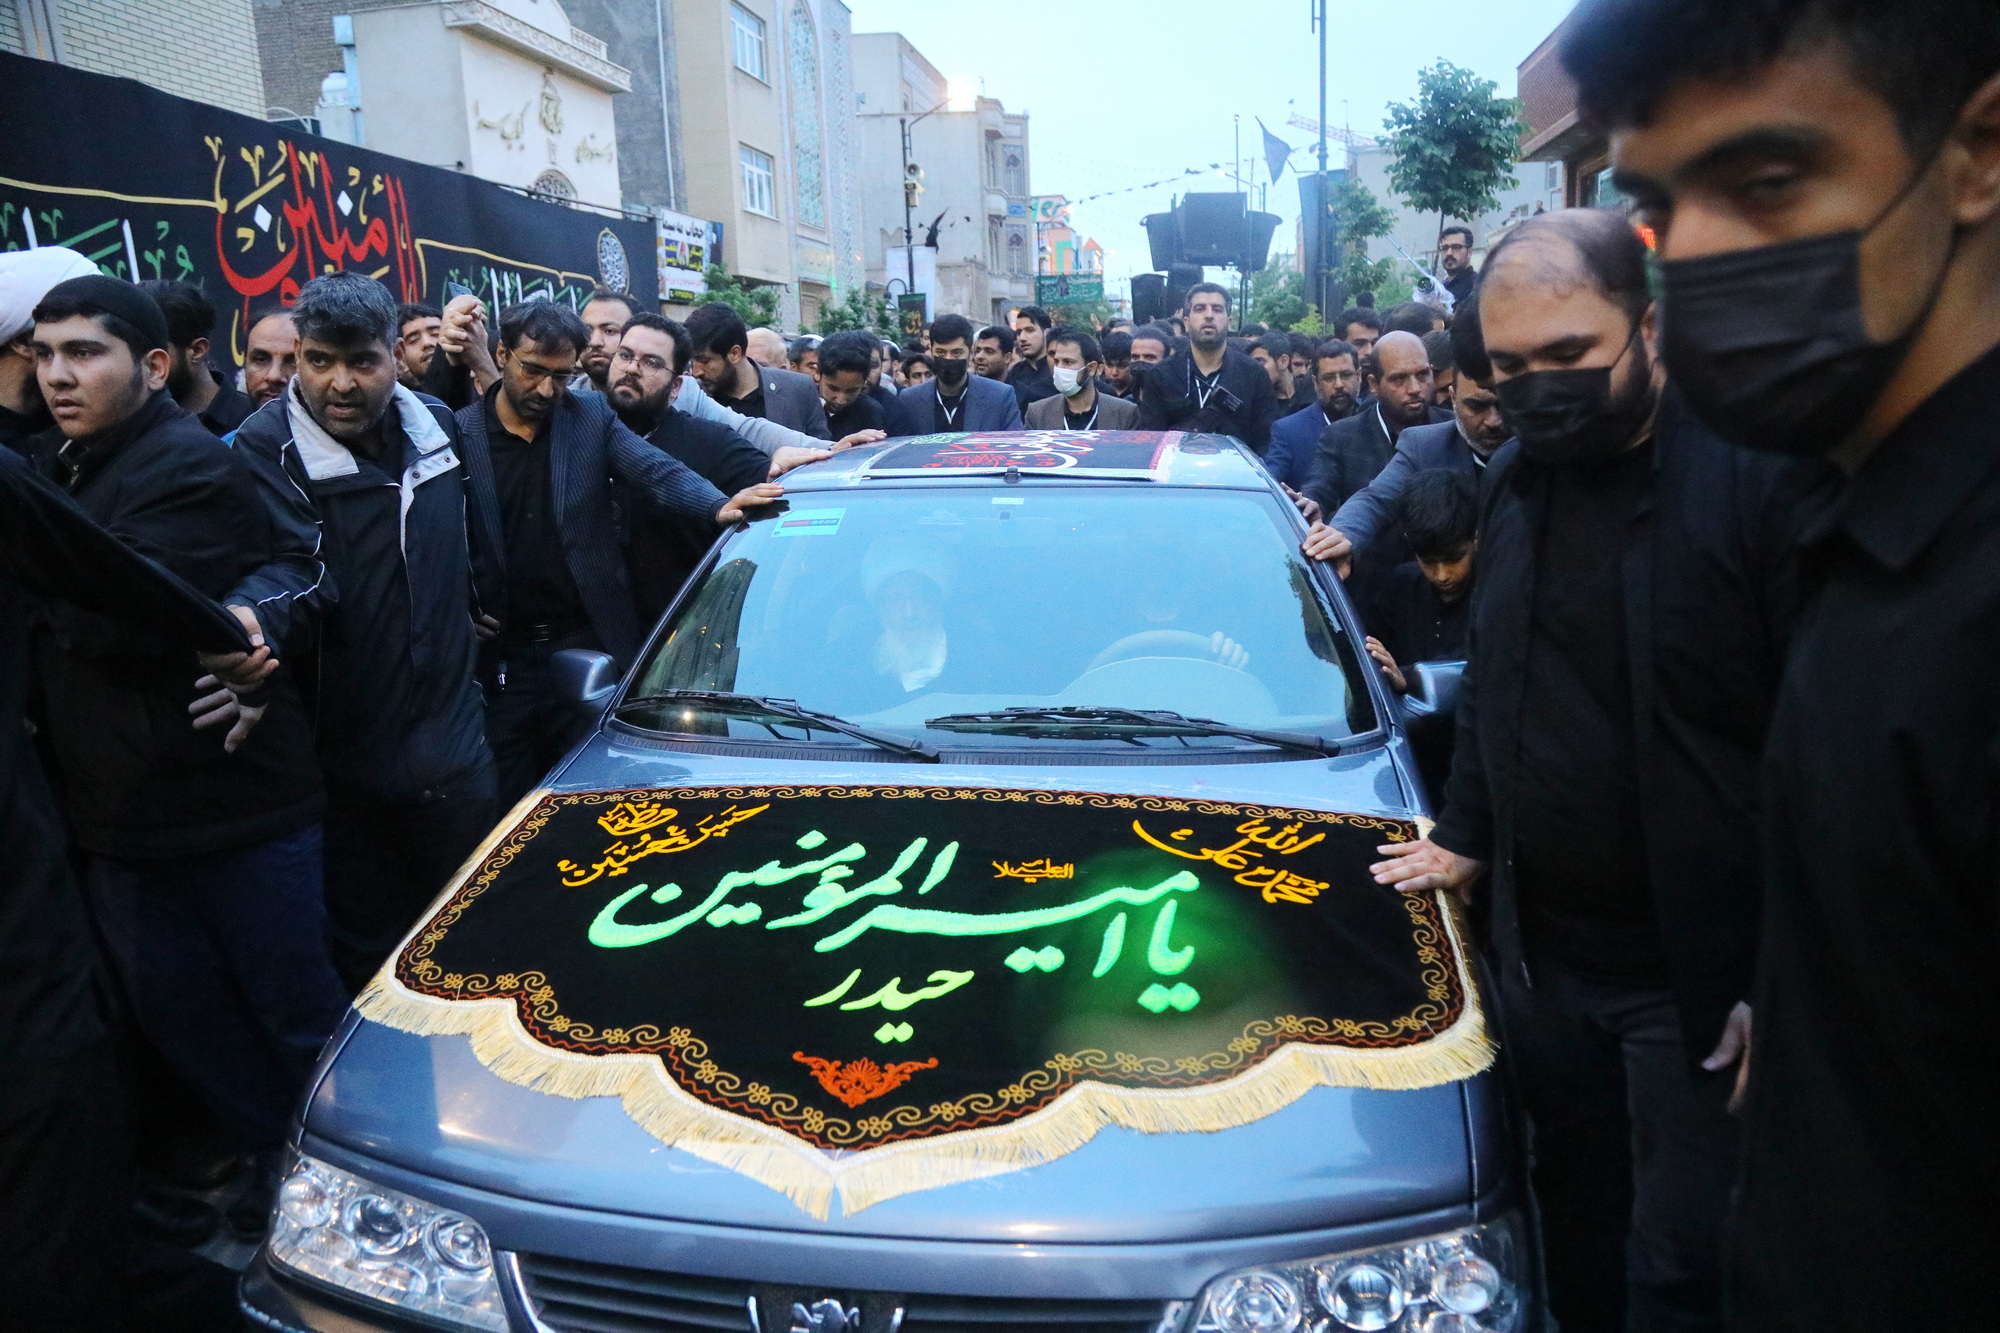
x: 1416, y: 416
x: 1209, y: 340
x: 361, y: 428
x: 647, y: 408
x: 181, y: 371
x: 525, y: 406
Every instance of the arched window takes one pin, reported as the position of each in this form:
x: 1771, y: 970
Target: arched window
x: 808, y: 149
x: 554, y: 185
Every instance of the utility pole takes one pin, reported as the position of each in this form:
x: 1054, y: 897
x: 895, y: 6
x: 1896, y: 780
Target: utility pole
x: 913, y: 185
x: 1325, y: 213
x: 1243, y: 264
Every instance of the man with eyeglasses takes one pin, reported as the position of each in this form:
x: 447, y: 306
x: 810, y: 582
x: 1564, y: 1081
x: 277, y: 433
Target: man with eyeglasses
x: 1461, y: 279
x: 1336, y: 375
x: 646, y: 383
x: 541, y: 462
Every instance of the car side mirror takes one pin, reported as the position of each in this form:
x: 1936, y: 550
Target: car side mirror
x: 1433, y: 689
x: 1430, y: 720
x: 584, y: 679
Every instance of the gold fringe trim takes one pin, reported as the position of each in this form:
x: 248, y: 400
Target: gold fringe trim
x: 812, y: 1178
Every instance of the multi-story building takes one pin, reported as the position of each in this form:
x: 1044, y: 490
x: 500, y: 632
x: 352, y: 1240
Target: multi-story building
x: 770, y: 155
x: 510, y: 91
x: 200, y: 49
x: 1557, y: 135
x: 975, y: 203
x: 739, y: 113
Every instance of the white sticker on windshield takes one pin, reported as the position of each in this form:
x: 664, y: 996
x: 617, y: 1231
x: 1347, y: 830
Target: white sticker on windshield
x: 1009, y: 500
x: 810, y: 523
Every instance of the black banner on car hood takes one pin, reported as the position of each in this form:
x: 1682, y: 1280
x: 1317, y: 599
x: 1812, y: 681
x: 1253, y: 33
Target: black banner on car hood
x: 830, y: 988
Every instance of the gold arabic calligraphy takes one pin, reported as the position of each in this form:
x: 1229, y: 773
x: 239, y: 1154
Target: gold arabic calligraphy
x: 1257, y: 838
x: 1034, y: 871
x: 627, y: 819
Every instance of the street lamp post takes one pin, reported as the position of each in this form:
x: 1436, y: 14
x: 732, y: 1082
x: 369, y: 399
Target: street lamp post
x: 1325, y: 211
x: 913, y: 185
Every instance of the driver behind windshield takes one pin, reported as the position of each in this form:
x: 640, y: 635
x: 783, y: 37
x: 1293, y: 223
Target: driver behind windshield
x: 1174, y: 617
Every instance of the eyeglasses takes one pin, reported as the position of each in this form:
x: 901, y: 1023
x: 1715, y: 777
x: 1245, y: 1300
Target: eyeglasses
x: 535, y: 372
x: 625, y: 356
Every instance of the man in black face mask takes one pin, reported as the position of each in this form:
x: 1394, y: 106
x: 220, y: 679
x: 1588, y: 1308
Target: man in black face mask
x: 1627, y: 627
x: 954, y: 401
x: 1824, y: 180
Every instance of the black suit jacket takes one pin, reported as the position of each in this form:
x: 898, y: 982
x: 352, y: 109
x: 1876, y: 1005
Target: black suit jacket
x: 1352, y: 452
x: 589, y: 447
x: 1711, y: 593
x: 661, y: 554
x: 1371, y: 511
x: 1244, y: 405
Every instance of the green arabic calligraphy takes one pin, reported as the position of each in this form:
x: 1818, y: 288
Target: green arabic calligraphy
x: 828, y: 896
x: 918, y: 921
x: 1114, y: 944
x: 608, y: 932
x: 1161, y: 956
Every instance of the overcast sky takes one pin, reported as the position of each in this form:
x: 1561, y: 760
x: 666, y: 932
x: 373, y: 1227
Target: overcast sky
x: 1122, y: 93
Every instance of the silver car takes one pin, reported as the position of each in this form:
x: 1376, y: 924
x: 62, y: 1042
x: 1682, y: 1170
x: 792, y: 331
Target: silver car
x: 1022, y: 619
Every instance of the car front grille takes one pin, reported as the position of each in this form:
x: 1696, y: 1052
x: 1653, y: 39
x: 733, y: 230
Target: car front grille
x: 571, y: 1296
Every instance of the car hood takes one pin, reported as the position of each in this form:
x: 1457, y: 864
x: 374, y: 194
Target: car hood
x: 1335, y: 1156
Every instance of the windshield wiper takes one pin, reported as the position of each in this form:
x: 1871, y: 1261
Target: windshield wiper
x: 724, y: 701
x: 1121, y: 723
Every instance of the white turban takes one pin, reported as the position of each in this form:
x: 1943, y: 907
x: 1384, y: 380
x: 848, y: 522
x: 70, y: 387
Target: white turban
x: 904, y: 553
x: 25, y: 278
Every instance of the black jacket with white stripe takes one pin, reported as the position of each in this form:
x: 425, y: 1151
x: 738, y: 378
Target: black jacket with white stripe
x: 375, y: 589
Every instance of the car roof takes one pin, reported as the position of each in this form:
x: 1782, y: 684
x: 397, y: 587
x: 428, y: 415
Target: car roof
x: 1170, y: 458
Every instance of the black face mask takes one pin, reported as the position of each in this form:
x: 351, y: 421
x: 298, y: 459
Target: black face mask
x: 950, y: 373
x: 1768, y: 346
x: 1567, y: 418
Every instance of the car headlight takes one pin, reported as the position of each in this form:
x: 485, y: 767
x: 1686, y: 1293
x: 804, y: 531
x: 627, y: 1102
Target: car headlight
x: 352, y: 1234
x: 1469, y: 1281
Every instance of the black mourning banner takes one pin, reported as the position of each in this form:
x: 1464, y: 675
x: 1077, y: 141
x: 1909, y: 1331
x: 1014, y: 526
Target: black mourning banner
x: 861, y: 966
x: 147, y: 185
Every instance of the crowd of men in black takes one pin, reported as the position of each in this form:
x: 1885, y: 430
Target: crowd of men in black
x: 1728, y: 744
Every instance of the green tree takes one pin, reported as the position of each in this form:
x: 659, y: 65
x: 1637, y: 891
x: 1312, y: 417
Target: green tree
x: 857, y: 310
x: 1362, y: 219
x: 1277, y: 298
x: 757, y: 305
x: 1455, y: 149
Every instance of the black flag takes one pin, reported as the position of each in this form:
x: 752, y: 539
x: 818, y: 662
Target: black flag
x: 1276, y: 152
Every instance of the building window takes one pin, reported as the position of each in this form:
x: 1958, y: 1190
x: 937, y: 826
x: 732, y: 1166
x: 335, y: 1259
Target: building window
x: 1014, y: 167
x: 1017, y: 251
x: 748, y: 31
x: 760, y: 182
x: 808, y: 153
x: 994, y: 244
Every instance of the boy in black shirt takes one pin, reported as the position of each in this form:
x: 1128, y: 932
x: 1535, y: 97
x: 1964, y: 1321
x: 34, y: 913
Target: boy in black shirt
x: 1419, y: 611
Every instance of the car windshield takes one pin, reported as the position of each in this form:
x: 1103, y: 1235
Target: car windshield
x: 892, y: 608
